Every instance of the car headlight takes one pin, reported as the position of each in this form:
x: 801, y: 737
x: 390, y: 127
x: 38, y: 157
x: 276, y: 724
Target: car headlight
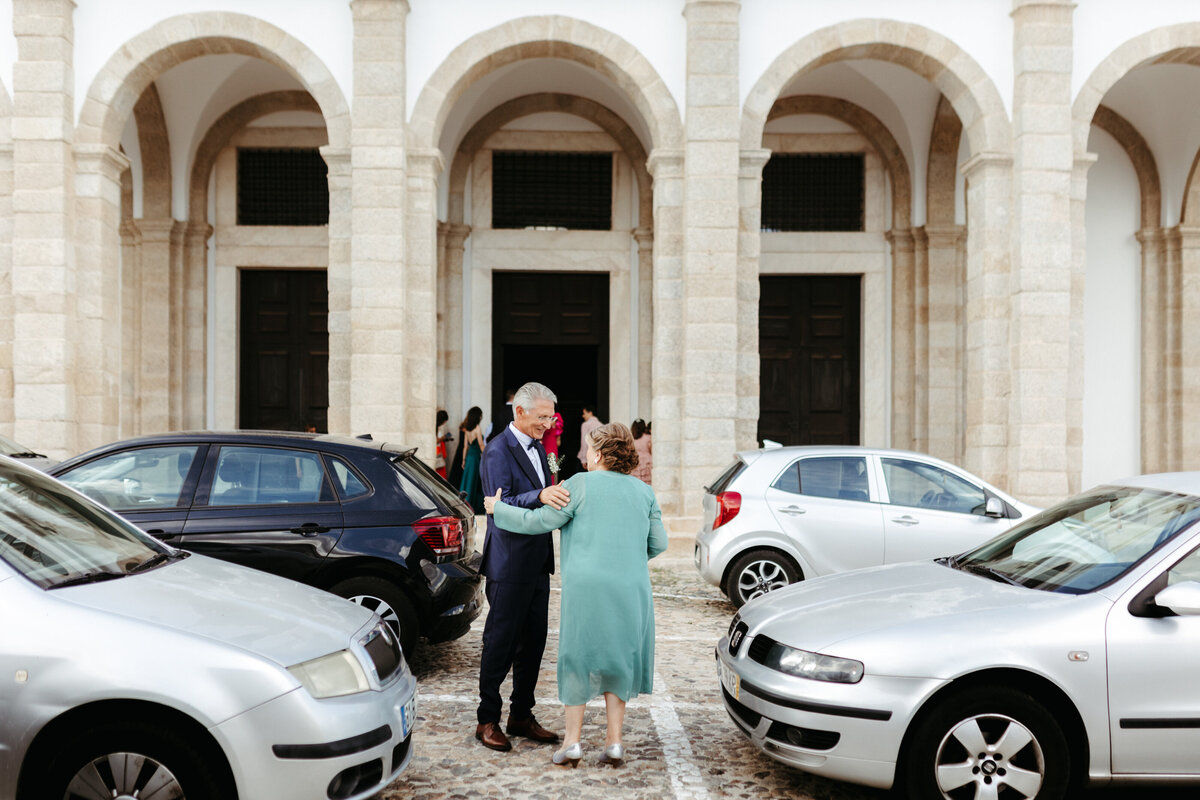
x: 815, y: 666
x: 333, y: 675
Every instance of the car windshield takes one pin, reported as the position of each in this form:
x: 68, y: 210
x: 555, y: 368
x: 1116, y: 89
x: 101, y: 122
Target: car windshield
x: 55, y: 537
x: 1084, y: 542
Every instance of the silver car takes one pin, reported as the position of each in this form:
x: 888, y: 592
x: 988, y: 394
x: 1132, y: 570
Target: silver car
x: 130, y: 669
x: 1060, y: 653
x: 784, y: 514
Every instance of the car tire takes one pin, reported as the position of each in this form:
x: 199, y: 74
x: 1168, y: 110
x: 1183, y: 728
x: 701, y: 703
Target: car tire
x: 983, y: 741
x: 757, y: 572
x: 130, y: 759
x: 388, y: 601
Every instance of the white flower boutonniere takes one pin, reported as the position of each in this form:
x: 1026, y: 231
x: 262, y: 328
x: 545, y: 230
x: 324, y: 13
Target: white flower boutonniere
x: 552, y: 461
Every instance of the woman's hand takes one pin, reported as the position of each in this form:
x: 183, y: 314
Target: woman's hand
x: 489, y: 503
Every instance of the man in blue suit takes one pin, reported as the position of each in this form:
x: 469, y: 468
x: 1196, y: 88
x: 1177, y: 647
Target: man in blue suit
x: 517, y: 568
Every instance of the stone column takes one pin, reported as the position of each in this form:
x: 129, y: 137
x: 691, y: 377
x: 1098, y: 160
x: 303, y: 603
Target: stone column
x: 131, y: 314
x: 44, y: 284
x: 666, y: 166
x: 1172, y: 355
x: 920, y: 393
x: 6, y: 288
x: 338, y: 285
x: 712, y: 342
x: 903, y: 321
x: 456, y: 245
x: 155, y: 329
x: 644, y: 237
x: 944, y: 373
x: 1154, y: 345
x: 420, y: 279
x: 195, y: 324
x: 1187, y: 388
x: 1074, y: 420
x: 750, y: 168
x: 378, y: 312
x: 1040, y: 416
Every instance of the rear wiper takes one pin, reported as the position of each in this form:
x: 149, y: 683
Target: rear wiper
x: 26, y: 454
x: 991, y: 572
x: 89, y: 577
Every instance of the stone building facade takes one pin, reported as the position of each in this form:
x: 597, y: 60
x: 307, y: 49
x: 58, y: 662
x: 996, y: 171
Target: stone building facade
x: 1018, y: 290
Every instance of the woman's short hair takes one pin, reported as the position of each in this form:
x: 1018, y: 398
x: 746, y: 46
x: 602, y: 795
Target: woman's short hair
x: 614, y: 444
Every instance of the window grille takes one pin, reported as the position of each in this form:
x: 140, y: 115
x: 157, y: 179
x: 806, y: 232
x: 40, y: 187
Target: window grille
x: 282, y: 187
x: 813, y: 192
x: 552, y: 190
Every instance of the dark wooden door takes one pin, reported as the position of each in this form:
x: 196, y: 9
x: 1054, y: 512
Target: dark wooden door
x: 552, y: 328
x: 809, y: 351
x: 284, y: 350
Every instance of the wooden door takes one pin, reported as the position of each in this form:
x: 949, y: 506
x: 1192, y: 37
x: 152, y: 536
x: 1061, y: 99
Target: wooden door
x: 809, y: 349
x: 284, y: 350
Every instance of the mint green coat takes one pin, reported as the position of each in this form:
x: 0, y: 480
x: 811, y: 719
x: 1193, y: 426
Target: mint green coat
x: 610, y: 530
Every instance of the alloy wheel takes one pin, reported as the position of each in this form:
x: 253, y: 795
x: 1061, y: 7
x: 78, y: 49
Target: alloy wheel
x: 987, y: 753
x: 124, y: 776
x: 760, y: 577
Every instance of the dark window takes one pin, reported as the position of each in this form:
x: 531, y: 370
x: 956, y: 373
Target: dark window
x: 805, y: 192
x: 553, y: 190
x: 282, y: 187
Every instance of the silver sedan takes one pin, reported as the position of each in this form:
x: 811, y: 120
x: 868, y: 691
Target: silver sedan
x: 784, y: 514
x: 1060, y: 653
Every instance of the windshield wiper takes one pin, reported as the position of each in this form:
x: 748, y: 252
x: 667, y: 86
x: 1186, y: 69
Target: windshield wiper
x: 89, y: 577
x: 991, y: 572
x: 154, y: 561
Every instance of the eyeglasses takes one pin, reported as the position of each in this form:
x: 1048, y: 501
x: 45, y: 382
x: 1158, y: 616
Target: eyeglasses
x: 545, y: 419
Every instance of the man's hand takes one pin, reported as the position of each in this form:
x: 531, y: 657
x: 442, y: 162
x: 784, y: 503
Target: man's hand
x: 489, y: 502
x: 555, y: 496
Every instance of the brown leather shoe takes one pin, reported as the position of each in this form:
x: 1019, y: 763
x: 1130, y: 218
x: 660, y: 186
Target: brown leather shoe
x: 530, y: 729
x: 490, y: 734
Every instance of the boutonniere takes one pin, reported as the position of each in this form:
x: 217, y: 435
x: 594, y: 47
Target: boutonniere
x: 552, y: 461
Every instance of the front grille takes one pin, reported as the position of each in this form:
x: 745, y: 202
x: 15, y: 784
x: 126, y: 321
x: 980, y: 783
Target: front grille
x: 748, y: 716
x: 803, y: 737
x: 383, y: 648
x: 760, y: 647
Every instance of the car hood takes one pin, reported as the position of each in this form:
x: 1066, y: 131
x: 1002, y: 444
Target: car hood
x: 271, y: 617
x: 919, y: 613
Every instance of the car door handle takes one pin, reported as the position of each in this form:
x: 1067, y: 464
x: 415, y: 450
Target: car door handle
x: 310, y: 529
x: 794, y: 510
x: 906, y: 520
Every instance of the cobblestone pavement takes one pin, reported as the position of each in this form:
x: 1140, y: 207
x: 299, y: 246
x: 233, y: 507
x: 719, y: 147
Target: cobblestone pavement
x: 680, y: 743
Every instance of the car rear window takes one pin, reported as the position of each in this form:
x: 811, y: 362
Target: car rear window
x: 416, y: 475
x: 349, y: 485
x: 727, y: 476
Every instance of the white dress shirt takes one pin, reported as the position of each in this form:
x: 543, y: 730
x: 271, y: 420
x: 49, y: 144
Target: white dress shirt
x: 535, y: 457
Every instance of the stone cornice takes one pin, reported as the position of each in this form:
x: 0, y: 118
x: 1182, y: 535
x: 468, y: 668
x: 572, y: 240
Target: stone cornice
x: 644, y: 237
x: 456, y: 235
x: 426, y: 162
x: 665, y: 163
x: 100, y: 159
x: 337, y: 159
x: 986, y: 160
x: 751, y: 162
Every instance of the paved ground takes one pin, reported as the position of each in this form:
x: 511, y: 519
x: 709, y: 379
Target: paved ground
x: 680, y: 743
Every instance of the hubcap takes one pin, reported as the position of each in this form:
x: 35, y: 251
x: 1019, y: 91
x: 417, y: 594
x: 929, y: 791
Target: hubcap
x: 986, y: 753
x: 385, y: 611
x: 760, y: 577
x: 124, y: 776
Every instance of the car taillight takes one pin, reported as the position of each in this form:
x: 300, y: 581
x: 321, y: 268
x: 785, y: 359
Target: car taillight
x: 728, y: 506
x: 444, y: 535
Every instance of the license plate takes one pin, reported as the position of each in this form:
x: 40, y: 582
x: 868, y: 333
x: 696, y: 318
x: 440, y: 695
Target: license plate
x: 730, y: 680
x: 408, y: 716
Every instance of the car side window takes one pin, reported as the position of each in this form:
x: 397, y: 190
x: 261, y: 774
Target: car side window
x: 840, y: 477
x: 267, y: 476
x: 136, y: 480
x: 1186, y: 570
x: 918, y: 485
x: 349, y: 485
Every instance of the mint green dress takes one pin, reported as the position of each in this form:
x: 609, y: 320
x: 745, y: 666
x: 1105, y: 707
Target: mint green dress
x: 610, y: 530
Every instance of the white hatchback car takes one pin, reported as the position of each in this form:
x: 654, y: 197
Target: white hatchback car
x: 131, y: 669
x: 779, y: 515
x: 1060, y: 653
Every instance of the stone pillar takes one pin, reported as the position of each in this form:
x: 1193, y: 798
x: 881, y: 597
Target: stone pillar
x: 6, y: 287
x: 750, y: 168
x: 379, y: 307
x: 711, y: 404
x: 1172, y: 355
x: 456, y: 245
x: 1154, y: 344
x: 666, y: 166
x: 987, y: 296
x: 44, y: 285
x: 338, y: 285
x: 1187, y: 388
x: 420, y: 280
x: 131, y: 314
x: 1040, y: 416
x: 195, y: 324
x: 944, y: 371
x: 903, y: 340
x: 920, y: 393
x: 644, y: 237
x: 1076, y: 335
x: 155, y: 329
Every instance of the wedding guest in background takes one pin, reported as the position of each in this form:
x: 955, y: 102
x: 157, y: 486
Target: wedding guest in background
x: 443, y: 436
x: 590, y: 423
x: 473, y: 452
x: 501, y: 417
x: 641, y: 443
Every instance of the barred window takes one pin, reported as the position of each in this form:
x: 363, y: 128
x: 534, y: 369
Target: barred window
x: 552, y: 190
x: 282, y: 187
x: 813, y: 192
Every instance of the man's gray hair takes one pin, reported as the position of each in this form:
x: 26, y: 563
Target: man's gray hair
x: 531, y: 392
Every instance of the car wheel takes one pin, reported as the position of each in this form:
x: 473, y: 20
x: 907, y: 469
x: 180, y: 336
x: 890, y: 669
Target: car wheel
x: 758, y: 572
x: 129, y: 760
x: 990, y: 742
x: 389, y: 602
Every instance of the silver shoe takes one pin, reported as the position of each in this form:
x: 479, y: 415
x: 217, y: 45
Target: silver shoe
x: 613, y: 754
x: 568, y: 756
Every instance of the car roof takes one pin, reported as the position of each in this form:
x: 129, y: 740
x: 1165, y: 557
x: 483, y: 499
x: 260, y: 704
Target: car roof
x: 1176, y: 482
x: 795, y: 451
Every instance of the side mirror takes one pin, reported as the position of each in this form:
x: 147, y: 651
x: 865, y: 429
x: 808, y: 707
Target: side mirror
x: 994, y: 507
x: 1182, y: 598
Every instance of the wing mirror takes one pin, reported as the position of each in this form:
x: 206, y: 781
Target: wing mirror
x: 994, y: 507
x: 1183, y: 598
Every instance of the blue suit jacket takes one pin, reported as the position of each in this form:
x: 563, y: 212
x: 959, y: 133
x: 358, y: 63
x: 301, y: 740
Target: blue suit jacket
x: 507, y: 556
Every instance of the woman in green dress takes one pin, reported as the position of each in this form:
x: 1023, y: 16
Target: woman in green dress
x: 610, y: 529
x: 473, y: 445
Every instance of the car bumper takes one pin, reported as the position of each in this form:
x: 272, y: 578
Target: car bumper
x: 847, y: 732
x: 298, y: 747
x: 702, y: 556
x: 457, y: 592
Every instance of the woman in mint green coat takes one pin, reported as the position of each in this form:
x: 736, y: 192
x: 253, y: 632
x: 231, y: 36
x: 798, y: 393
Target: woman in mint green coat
x: 610, y: 529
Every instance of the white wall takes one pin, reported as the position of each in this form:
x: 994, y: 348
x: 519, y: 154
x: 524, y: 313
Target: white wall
x: 1111, y: 373
x: 1101, y: 26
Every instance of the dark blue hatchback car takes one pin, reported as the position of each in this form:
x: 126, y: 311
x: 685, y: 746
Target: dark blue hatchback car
x: 369, y: 522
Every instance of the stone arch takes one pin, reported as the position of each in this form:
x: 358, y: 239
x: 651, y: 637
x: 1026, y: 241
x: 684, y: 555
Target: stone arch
x: 874, y: 131
x: 1142, y: 158
x: 219, y: 134
x: 942, y: 172
x: 155, y: 150
x: 121, y: 81
x: 1175, y: 44
x: 547, y: 37
x: 930, y: 55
